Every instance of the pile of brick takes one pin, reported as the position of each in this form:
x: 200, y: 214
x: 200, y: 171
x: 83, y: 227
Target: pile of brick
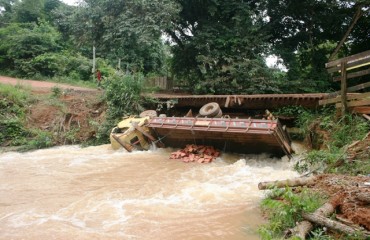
x: 194, y: 153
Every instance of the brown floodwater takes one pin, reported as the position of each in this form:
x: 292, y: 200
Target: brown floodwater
x: 96, y: 193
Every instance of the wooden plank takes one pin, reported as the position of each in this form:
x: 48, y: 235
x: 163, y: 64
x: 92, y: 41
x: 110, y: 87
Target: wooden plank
x: 227, y: 101
x: 358, y: 87
x: 343, y: 87
x: 361, y: 110
x: 349, y: 97
x: 348, y: 59
x: 363, y: 102
x: 366, y: 116
x: 353, y: 74
x: 350, y: 66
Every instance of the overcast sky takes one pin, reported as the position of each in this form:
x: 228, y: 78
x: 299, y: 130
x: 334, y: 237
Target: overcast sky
x: 70, y: 2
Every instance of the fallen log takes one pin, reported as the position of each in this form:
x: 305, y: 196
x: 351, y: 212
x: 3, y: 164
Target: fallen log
x: 334, y: 225
x: 304, y: 227
x: 287, y: 183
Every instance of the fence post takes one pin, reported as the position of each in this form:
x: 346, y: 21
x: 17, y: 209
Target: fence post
x: 343, y: 90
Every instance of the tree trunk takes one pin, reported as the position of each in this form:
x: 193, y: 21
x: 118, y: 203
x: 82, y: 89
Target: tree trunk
x: 287, y: 183
x: 300, y: 230
x: 323, y: 221
x: 356, y: 17
x: 304, y: 227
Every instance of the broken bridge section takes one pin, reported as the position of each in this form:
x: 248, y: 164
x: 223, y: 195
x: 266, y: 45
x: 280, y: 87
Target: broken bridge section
x: 249, y: 102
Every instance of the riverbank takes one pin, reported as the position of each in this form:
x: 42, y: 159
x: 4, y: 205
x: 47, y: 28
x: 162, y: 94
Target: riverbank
x: 42, y: 114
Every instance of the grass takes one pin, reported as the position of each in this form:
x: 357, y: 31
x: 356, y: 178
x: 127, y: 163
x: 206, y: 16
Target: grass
x: 283, y: 208
x: 14, y: 102
x: 340, y: 133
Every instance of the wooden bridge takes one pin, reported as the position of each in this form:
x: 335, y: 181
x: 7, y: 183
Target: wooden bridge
x: 353, y: 67
x: 249, y: 102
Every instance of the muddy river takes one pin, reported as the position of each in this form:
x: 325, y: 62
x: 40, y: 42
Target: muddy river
x: 97, y: 193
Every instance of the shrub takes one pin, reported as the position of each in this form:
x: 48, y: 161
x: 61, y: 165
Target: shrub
x: 122, y: 95
x: 13, y: 102
x: 61, y: 64
x: 340, y: 133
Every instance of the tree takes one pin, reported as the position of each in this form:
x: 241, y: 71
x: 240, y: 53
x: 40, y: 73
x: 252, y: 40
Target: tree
x: 24, y: 42
x: 219, y: 47
x: 305, y: 33
x: 6, y: 11
x: 28, y: 11
x: 127, y: 30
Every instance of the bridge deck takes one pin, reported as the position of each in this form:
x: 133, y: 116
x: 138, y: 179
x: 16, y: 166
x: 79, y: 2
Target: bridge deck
x: 260, y: 101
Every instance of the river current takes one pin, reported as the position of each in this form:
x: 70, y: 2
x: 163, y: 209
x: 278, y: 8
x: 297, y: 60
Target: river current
x: 96, y: 193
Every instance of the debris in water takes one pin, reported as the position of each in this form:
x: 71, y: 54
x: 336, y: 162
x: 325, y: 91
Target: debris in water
x: 194, y: 153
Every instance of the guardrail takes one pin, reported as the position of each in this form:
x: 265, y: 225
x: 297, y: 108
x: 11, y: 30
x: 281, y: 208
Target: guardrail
x: 348, y: 68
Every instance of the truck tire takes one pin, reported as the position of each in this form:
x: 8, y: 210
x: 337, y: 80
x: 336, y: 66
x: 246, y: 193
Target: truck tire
x: 219, y: 114
x: 148, y: 113
x: 210, y: 110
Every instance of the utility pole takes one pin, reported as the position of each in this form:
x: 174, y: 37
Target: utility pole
x: 94, y: 60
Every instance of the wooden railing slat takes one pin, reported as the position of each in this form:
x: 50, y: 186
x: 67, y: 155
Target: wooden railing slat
x: 363, y: 102
x: 348, y: 59
x: 349, y: 97
x: 354, y: 74
x: 350, y: 66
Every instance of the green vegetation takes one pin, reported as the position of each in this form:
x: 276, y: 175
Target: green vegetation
x: 122, y: 95
x: 14, y: 130
x: 215, y: 47
x: 13, y: 102
x: 330, y: 138
x: 284, y: 207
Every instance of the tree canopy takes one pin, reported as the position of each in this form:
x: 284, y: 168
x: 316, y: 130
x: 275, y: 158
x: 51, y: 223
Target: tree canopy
x: 211, y: 46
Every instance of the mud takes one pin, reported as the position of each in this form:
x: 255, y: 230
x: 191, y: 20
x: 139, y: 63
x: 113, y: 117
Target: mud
x: 351, y: 209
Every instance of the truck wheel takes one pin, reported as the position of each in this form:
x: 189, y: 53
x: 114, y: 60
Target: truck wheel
x: 148, y: 113
x: 219, y: 114
x: 210, y: 109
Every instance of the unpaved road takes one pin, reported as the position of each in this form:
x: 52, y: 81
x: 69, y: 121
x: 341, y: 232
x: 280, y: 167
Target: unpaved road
x: 40, y: 85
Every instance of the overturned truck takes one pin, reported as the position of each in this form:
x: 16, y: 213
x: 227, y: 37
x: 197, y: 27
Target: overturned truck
x: 207, y: 128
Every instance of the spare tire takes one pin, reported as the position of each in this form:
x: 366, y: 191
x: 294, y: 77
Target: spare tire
x: 210, y: 109
x: 148, y: 113
x: 219, y: 114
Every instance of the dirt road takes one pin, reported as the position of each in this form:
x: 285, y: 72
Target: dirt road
x: 40, y: 85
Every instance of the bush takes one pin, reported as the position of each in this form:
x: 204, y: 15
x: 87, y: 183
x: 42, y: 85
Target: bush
x: 122, y: 95
x: 13, y: 102
x: 65, y: 63
x: 339, y: 134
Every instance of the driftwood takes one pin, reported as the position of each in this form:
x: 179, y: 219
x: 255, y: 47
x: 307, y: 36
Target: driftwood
x: 294, y: 182
x: 335, y: 225
x: 304, y: 227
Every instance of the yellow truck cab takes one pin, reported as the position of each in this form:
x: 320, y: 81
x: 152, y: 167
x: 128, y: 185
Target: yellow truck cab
x: 127, y: 135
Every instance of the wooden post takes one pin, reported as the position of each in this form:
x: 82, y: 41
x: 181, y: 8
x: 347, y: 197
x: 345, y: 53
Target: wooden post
x: 93, y: 68
x: 343, y: 88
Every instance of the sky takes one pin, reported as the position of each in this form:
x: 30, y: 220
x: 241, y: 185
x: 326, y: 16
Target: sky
x: 70, y: 2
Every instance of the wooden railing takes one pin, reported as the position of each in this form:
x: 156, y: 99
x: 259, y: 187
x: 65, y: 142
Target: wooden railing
x: 354, y: 66
x: 163, y: 83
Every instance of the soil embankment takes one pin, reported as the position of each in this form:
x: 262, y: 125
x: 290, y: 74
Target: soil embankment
x: 70, y: 115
